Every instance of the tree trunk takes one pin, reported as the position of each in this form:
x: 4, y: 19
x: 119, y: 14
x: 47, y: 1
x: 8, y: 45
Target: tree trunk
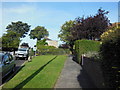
x: 71, y: 48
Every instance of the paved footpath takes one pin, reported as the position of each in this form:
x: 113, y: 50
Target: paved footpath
x: 72, y: 76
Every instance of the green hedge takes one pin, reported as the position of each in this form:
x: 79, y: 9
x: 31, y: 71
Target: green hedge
x: 110, y: 52
x: 50, y: 50
x: 83, y: 46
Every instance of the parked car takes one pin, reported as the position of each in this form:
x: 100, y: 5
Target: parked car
x: 22, y: 53
x: 7, y: 64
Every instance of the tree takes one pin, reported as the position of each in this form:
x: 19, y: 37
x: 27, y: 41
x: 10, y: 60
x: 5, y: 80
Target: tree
x: 66, y: 35
x: 79, y: 30
x: 42, y: 42
x: 19, y: 27
x: 100, y: 23
x: 65, y: 32
x: 15, y: 31
x: 38, y: 33
x: 11, y: 39
x: 91, y: 27
x: 64, y: 46
x: 84, y: 28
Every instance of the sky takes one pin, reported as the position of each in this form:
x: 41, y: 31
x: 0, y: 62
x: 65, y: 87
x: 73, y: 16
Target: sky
x: 51, y: 15
x: 59, y: 0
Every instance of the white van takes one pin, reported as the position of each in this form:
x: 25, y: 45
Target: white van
x: 22, y: 53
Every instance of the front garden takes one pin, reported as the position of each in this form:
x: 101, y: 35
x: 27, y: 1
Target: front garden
x: 41, y: 72
x: 107, y: 55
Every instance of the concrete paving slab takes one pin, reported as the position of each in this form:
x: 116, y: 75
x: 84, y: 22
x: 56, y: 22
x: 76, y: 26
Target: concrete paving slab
x: 72, y: 76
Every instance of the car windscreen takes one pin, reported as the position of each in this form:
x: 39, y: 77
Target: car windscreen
x: 21, y: 50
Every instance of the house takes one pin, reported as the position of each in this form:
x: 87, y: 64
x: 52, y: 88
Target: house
x: 116, y: 24
x: 51, y: 42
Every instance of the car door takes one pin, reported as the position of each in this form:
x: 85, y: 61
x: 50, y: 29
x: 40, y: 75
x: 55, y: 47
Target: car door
x: 6, y: 65
x: 12, y: 62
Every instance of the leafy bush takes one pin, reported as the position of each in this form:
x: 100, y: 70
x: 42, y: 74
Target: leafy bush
x: 110, y: 52
x: 41, y: 42
x: 50, y: 50
x: 44, y: 49
x: 84, y: 46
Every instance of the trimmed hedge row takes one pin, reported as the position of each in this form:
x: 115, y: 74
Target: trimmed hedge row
x: 50, y: 50
x: 83, y: 46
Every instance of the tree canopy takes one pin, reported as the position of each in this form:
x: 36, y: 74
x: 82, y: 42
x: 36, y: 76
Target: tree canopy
x: 90, y: 27
x: 42, y: 42
x: 65, y: 32
x: 38, y: 33
x: 19, y: 27
x: 15, y: 31
x: 11, y: 39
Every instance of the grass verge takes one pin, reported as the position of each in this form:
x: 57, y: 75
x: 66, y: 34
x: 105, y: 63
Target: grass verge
x: 42, y: 72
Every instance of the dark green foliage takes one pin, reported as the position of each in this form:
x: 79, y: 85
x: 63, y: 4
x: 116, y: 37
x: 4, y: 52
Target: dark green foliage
x: 15, y: 31
x: 44, y: 49
x: 66, y: 34
x: 84, y: 46
x: 11, y: 39
x: 41, y: 42
x: 110, y: 52
x: 38, y: 33
x: 19, y: 27
x: 50, y: 50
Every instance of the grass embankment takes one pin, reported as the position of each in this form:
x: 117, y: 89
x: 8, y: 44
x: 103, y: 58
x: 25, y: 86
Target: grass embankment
x: 42, y: 72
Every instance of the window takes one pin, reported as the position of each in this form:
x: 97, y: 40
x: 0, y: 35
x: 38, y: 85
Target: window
x: 10, y: 57
x: 6, y: 58
x: 21, y: 49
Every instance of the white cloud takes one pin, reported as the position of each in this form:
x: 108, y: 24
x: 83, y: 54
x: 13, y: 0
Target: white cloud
x: 19, y: 10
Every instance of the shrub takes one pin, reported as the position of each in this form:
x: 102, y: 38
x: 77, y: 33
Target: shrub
x: 106, y: 34
x: 110, y: 53
x: 51, y: 50
x: 84, y: 46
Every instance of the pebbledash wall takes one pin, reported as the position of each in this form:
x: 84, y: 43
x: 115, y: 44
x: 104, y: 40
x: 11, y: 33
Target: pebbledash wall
x: 52, y: 43
x: 93, y: 69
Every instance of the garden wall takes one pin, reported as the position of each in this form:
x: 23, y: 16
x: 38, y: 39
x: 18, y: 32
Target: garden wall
x: 94, y: 71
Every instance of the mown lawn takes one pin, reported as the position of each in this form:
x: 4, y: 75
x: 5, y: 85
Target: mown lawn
x: 42, y: 72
